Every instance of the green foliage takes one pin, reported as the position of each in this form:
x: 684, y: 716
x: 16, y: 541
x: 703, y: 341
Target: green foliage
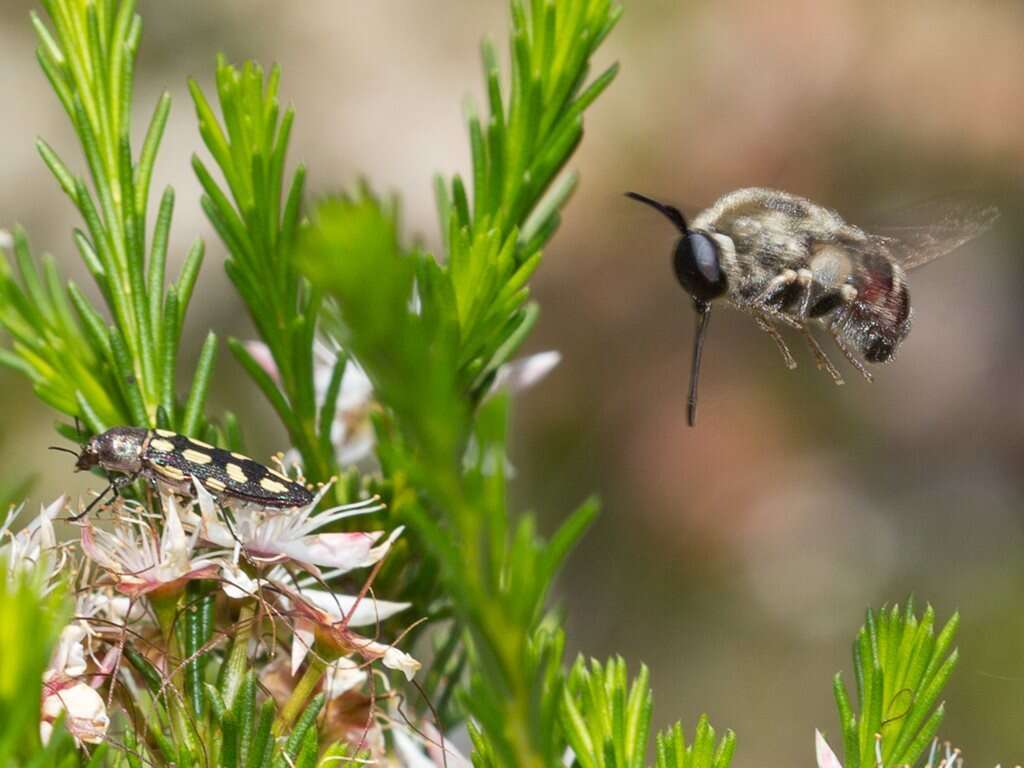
x: 230, y: 724
x: 518, y: 150
x: 124, y: 372
x: 901, y: 667
x: 431, y: 334
x: 28, y: 612
x: 258, y: 223
x: 607, y: 723
x: 431, y: 337
x: 672, y: 752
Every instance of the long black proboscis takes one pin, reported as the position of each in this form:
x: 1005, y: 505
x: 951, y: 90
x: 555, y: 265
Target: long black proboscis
x: 672, y: 213
x: 703, y: 316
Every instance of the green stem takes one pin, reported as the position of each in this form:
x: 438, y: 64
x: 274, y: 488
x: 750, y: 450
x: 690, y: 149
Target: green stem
x: 310, y: 679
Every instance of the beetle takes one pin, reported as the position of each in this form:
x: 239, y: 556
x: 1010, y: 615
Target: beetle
x: 177, y: 461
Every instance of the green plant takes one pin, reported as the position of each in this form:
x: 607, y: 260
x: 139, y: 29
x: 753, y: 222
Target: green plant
x: 901, y: 667
x: 122, y: 371
x: 232, y: 593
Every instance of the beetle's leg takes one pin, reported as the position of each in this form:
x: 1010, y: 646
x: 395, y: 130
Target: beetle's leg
x: 92, y: 504
x: 766, y: 326
x: 824, y: 363
x: 115, y: 485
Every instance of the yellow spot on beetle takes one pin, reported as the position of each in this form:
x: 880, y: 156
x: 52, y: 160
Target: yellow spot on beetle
x: 236, y: 473
x: 273, y: 486
x: 197, y: 457
x: 170, y: 472
x: 277, y: 474
x: 214, y: 484
x: 166, y: 433
x: 200, y: 443
x: 240, y: 456
x: 165, y: 446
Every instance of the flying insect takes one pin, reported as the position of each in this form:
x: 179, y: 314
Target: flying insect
x: 789, y: 261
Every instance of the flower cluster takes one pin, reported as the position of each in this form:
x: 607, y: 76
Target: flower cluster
x: 268, y: 576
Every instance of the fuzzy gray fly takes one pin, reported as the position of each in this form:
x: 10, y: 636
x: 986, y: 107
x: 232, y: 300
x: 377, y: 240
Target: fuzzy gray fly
x: 788, y: 261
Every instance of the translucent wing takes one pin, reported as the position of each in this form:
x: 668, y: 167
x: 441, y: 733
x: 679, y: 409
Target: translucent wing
x: 950, y: 224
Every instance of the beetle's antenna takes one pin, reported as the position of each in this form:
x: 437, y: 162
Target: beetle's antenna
x: 672, y: 213
x: 62, y: 449
x: 703, y: 316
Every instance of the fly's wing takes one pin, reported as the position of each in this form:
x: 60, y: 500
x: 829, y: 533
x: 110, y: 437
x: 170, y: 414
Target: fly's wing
x: 950, y: 223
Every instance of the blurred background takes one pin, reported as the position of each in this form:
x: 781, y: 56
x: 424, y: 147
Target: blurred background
x: 735, y: 559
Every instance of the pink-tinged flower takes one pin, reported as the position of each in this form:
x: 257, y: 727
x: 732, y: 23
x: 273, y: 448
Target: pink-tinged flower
x: 140, y: 562
x: 272, y: 536
x: 86, y: 713
x: 826, y: 757
x: 35, y: 545
x: 329, y: 631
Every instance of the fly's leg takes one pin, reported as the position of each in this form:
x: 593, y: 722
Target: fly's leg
x: 805, y: 277
x: 772, y: 331
x: 854, y: 360
x: 785, y: 278
x: 824, y: 364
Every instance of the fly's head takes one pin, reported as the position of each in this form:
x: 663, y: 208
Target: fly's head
x: 697, y: 263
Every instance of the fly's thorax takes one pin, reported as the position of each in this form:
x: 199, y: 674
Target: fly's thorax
x: 831, y: 266
x: 119, y: 449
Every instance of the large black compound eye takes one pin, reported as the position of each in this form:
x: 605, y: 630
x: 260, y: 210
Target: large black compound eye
x: 697, y: 267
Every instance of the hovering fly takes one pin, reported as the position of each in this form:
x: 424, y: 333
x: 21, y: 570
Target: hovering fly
x: 177, y: 462
x: 788, y: 261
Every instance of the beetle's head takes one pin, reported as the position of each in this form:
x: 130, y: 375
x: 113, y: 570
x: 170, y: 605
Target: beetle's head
x: 118, y: 449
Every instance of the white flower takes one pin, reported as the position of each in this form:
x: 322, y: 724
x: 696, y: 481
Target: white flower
x: 87, y: 718
x: 34, y: 544
x: 6, y: 241
x: 271, y: 536
x: 520, y: 375
x: 352, y: 431
x: 342, y: 676
x: 352, y: 610
x: 420, y: 746
x: 329, y: 628
x: 827, y: 758
x: 139, y: 563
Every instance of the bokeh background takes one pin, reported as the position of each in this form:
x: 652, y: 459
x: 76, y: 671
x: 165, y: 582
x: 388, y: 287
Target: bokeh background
x: 735, y: 559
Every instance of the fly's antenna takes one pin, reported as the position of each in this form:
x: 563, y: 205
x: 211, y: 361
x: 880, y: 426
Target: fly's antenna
x: 670, y: 212
x: 703, y: 316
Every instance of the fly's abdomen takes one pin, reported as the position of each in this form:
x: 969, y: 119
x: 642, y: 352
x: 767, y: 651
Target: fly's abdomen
x: 879, y: 319
x: 177, y: 459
